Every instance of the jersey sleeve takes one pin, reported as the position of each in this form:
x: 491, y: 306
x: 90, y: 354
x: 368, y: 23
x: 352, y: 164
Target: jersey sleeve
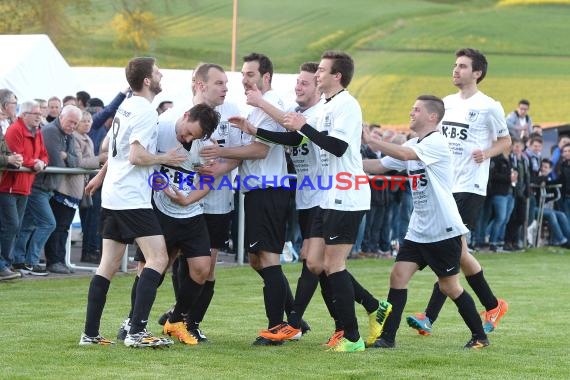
x: 144, y: 127
x: 497, y: 121
x: 393, y: 163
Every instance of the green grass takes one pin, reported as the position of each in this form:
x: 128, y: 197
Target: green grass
x: 401, y: 48
x: 42, y: 320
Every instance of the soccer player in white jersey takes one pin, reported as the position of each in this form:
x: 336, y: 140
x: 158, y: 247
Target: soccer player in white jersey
x: 209, y: 86
x: 306, y: 158
x: 266, y: 195
x: 475, y: 128
x: 127, y: 213
x: 337, y: 132
x: 180, y: 212
x: 435, y: 230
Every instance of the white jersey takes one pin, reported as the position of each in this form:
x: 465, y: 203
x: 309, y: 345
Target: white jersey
x: 341, y: 117
x: 126, y: 186
x: 307, y: 161
x: 470, y: 124
x: 179, y: 177
x: 220, y: 200
x: 271, y: 170
x: 435, y: 216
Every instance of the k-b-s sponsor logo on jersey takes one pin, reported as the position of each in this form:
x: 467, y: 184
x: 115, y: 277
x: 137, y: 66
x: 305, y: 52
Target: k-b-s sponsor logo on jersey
x: 454, y: 130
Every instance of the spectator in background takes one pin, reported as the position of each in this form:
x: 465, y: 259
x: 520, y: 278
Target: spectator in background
x: 82, y: 99
x: 500, y: 193
x: 8, y: 105
x: 54, y: 108
x: 39, y: 219
x: 393, y: 203
x: 43, y: 110
x: 558, y: 223
x: 164, y: 105
x: 26, y: 140
x: 69, y: 100
x: 95, y: 105
x: 378, y: 199
x: 406, y: 205
x: 562, y: 170
x: 9, y: 217
x: 536, y: 129
x: 556, y: 150
x: 514, y: 233
x: 534, y: 155
x: 519, y: 121
x: 71, y: 190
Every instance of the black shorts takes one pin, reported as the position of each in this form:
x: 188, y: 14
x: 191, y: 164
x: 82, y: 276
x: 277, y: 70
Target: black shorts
x: 339, y: 227
x: 441, y: 256
x: 469, y: 206
x: 188, y: 236
x: 306, y: 219
x: 218, y: 229
x: 265, y: 219
x: 126, y: 225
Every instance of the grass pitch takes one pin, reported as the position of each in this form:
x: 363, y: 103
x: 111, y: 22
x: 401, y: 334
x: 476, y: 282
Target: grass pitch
x: 42, y: 320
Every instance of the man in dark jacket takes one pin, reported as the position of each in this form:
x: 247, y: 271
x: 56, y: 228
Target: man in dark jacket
x: 39, y: 220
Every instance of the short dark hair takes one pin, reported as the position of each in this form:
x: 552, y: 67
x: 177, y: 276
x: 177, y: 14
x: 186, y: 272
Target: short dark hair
x: 525, y: 102
x: 342, y: 63
x: 433, y: 105
x: 137, y: 70
x: 83, y: 97
x: 208, y: 118
x: 310, y: 67
x: 265, y: 64
x: 478, y: 60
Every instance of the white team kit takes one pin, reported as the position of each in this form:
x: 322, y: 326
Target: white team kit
x: 435, y: 216
x: 221, y: 199
x: 180, y: 177
x: 273, y: 167
x: 341, y: 117
x: 470, y: 124
x: 126, y: 186
x: 307, y: 161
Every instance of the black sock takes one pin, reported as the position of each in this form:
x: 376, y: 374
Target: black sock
x: 188, y: 293
x: 363, y: 297
x: 289, y: 301
x: 175, y: 274
x: 199, y: 308
x: 435, y: 303
x: 133, y: 295
x: 468, y: 312
x: 482, y: 290
x: 146, y: 293
x: 343, y: 294
x: 306, y: 286
x: 398, y: 299
x: 329, y: 300
x: 274, y: 294
x: 95, y: 304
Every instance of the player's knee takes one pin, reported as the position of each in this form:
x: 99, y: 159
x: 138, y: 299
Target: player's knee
x: 314, y: 266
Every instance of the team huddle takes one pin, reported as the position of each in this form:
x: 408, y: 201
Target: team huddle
x: 182, y: 226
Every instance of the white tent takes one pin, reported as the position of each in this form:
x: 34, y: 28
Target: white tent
x: 32, y: 67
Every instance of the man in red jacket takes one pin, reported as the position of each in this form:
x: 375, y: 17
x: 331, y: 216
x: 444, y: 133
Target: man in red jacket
x: 22, y: 137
